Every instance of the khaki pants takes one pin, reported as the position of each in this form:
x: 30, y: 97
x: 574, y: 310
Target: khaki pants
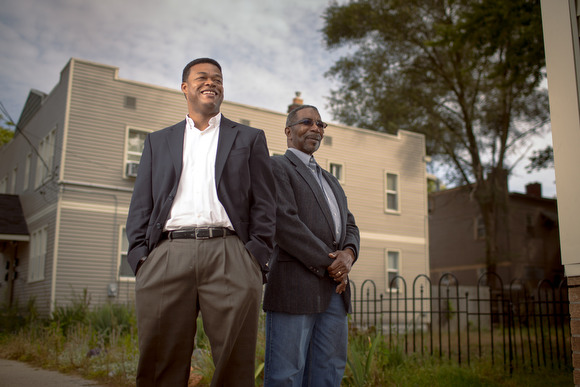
x: 182, y: 277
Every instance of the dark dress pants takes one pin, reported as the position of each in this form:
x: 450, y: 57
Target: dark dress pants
x: 181, y: 278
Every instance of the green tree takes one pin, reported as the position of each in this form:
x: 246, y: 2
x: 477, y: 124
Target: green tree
x: 541, y: 159
x: 465, y: 73
x: 6, y: 133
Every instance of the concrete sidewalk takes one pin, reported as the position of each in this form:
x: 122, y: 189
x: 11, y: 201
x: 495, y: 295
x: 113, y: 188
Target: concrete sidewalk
x: 17, y: 374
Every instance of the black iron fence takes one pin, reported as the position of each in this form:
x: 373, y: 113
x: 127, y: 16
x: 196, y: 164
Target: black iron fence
x: 507, y: 323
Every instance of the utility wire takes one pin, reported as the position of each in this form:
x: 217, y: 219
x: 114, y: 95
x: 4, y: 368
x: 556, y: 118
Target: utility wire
x: 17, y: 129
x: 69, y: 152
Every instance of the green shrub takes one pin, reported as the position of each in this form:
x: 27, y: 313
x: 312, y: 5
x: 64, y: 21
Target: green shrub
x: 12, y: 318
x: 70, y: 315
x: 110, y: 317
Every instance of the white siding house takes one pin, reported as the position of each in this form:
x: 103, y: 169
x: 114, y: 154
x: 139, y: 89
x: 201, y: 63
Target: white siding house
x: 75, y: 183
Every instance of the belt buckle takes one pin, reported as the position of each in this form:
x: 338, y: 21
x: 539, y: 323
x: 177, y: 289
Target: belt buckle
x: 204, y: 230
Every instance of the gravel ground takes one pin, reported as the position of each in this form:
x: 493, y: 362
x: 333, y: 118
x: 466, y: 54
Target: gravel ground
x: 17, y: 374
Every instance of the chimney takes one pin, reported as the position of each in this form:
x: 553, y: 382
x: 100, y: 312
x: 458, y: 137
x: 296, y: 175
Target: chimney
x: 297, y: 101
x: 534, y: 189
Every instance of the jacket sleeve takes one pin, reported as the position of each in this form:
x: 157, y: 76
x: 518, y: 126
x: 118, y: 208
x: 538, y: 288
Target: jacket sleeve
x: 140, y: 209
x: 352, y: 239
x: 263, y: 203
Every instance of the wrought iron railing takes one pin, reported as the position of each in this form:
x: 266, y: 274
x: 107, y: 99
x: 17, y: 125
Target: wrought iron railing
x: 506, y: 323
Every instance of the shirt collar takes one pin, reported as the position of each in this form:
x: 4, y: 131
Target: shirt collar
x: 214, y: 122
x: 304, y: 157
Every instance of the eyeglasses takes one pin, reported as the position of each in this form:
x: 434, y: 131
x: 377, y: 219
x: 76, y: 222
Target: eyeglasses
x: 309, y: 122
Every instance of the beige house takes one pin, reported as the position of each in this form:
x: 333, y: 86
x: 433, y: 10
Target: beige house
x: 73, y: 165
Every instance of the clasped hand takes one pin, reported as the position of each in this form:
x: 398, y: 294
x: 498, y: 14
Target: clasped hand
x: 339, y: 269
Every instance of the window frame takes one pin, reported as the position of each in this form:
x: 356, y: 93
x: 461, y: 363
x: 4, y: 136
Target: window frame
x: 397, y: 271
x: 45, y: 152
x: 122, y: 256
x: 4, y: 184
x: 13, y: 180
x: 37, y: 254
x: 388, y: 192
x: 342, y: 179
x: 126, y: 151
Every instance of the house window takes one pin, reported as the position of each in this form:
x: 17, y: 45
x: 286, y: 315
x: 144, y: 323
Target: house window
x: 244, y: 121
x: 13, y: 181
x: 38, y: 246
x: 26, y: 172
x: 393, y: 265
x: 4, y: 185
x: 337, y: 170
x: 391, y: 192
x: 125, y: 271
x: 135, y: 144
x: 479, y: 226
x: 44, y: 159
x: 327, y: 140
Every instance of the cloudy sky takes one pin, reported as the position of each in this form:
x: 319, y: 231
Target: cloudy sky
x: 269, y: 49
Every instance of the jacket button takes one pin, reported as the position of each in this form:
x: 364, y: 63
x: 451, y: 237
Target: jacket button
x: 334, y: 243
x: 158, y: 225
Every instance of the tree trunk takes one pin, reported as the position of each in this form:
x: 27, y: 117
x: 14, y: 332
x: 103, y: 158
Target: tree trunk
x: 491, y: 196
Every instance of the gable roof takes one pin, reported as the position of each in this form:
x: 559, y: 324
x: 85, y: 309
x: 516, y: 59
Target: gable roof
x: 32, y: 105
x: 12, y: 222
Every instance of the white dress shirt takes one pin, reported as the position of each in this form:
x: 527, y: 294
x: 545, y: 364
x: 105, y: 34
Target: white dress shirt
x: 196, y: 202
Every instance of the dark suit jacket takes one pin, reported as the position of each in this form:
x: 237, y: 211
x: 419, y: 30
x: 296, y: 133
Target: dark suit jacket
x: 298, y: 281
x: 244, y: 181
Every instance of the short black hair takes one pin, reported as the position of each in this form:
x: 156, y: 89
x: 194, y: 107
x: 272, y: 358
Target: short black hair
x: 292, y: 115
x: 188, y: 67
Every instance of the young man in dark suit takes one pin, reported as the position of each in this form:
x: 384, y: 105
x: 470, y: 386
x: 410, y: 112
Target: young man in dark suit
x: 200, y: 230
x: 307, y: 296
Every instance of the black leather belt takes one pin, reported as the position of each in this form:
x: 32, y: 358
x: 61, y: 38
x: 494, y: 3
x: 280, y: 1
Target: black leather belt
x: 199, y: 233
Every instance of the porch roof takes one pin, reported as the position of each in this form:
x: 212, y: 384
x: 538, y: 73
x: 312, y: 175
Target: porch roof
x: 12, y: 222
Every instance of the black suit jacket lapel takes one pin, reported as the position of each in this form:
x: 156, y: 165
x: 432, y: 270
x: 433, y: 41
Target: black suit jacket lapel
x: 307, y: 175
x: 175, y: 145
x: 228, y: 133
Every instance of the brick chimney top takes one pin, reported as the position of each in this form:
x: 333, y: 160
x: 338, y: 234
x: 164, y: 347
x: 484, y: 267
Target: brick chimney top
x: 534, y: 189
x: 297, y: 101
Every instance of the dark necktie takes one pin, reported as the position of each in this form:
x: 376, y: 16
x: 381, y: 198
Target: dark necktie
x: 333, y: 206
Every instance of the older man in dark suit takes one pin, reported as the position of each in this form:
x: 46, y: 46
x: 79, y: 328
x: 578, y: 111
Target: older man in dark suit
x: 307, y: 295
x: 200, y: 230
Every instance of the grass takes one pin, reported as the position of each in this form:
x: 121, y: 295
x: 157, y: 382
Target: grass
x: 100, y: 343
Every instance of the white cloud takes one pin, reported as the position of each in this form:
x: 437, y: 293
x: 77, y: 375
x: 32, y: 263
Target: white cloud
x: 269, y: 49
